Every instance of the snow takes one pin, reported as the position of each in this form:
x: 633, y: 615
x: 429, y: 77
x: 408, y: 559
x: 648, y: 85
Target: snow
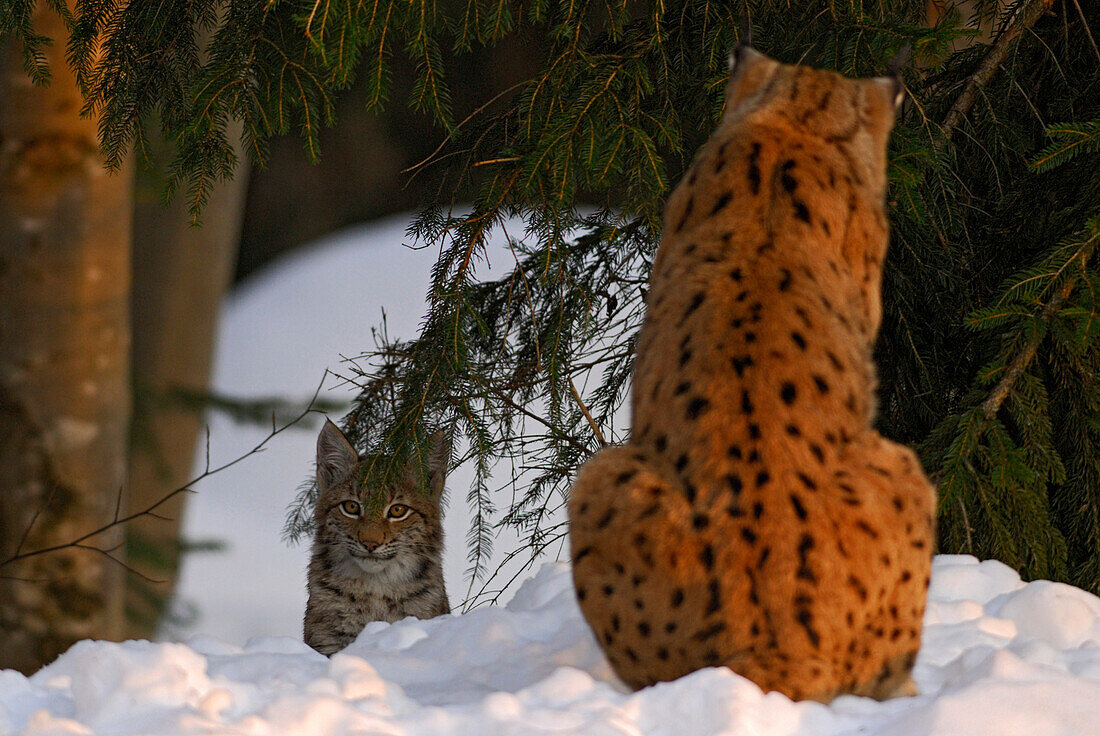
x: 999, y: 657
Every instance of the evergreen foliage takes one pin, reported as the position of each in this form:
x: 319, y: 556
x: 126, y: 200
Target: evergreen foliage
x: 988, y: 358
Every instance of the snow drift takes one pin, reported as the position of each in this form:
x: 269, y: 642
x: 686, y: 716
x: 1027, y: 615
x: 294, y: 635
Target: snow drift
x: 999, y: 657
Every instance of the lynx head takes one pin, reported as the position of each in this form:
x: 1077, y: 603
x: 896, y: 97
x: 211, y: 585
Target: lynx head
x: 383, y: 529
x: 826, y: 104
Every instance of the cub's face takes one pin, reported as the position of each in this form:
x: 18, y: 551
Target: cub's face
x: 859, y: 112
x: 374, y: 526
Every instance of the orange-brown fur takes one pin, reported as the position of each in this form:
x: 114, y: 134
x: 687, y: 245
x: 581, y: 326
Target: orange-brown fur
x: 755, y: 520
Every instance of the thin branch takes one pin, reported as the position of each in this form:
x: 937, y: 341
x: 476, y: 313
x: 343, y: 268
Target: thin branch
x: 1029, y: 12
x: 591, y: 421
x: 150, y: 510
x: 1088, y: 31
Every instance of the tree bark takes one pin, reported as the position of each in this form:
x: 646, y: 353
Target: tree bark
x: 181, y: 274
x: 64, y: 362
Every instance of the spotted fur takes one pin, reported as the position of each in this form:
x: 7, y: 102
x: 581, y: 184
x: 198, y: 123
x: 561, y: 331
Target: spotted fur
x: 377, y: 553
x: 755, y: 520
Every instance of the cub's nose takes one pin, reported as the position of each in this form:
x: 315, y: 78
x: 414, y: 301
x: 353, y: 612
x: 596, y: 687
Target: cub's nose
x: 369, y: 546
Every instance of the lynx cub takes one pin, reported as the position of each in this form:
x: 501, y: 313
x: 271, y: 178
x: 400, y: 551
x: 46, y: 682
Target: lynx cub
x: 377, y: 553
x: 755, y: 520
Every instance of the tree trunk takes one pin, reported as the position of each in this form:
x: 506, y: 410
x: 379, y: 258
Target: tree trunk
x: 64, y: 363
x: 180, y: 276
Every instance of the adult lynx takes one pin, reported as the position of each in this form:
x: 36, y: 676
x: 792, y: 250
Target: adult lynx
x: 755, y: 519
x: 377, y: 552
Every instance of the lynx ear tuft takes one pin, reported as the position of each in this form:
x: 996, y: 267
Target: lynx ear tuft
x: 336, y: 458
x: 439, y: 460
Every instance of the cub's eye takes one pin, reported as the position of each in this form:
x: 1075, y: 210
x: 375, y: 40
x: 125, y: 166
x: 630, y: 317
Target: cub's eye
x: 351, y: 508
x: 398, y: 511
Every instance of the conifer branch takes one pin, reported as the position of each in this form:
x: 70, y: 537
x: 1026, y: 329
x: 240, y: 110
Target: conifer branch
x: 1019, y: 364
x: 1025, y: 17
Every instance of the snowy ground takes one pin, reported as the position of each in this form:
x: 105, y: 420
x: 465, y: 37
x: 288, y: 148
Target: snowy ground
x: 1000, y: 658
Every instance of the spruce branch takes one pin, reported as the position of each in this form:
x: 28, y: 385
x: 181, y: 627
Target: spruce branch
x: 1020, y: 362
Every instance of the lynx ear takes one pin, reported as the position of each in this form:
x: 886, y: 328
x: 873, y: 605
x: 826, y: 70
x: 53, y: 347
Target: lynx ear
x: 439, y: 459
x: 336, y: 458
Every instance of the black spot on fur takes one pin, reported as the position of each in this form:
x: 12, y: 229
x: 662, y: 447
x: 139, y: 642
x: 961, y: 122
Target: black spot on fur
x: 762, y: 478
x: 721, y: 203
x: 624, y: 477
x: 736, y: 275
x: 707, y: 557
x: 858, y: 586
x: 746, y: 402
x: 684, y: 358
x: 715, y: 600
x: 805, y: 619
x: 608, y: 590
x: 787, y: 393
x: 748, y: 535
x: 798, y: 340
x: 741, y: 363
x: 734, y: 482
x: 713, y: 630
x: 754, y: 169
x: 785, y: 281
x: 799, y: 508
x: 681, y: 463
x: 788, y: 182
x: 757, y: 510
x: 697, y: 406
x: 581, y: 554
x: 807, y: 481
x: 764, y: 553
x: 615, y: 623
x: 677, y: 597
x: 817, y: 452
x: 867, y: 529
x: 661, y: 442
x: 754, y: 431
x: 750, y: 337
x: 643, y: 628
x: 800, y: 210
x: 734, y: 451
x: 793, y: 430
x: 687, y: 213
x: 682, y: 388
x: 700, y: 521
x: 662, y: 653
x: 696, y: 300
x: 603, y: 522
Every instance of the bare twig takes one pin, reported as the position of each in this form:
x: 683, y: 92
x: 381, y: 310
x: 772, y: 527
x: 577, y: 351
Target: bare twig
x: 591, y: 421
x: 79, y: 542
x: 497, y: 392
x: 1028, y: 13
x: 1088, y: 31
